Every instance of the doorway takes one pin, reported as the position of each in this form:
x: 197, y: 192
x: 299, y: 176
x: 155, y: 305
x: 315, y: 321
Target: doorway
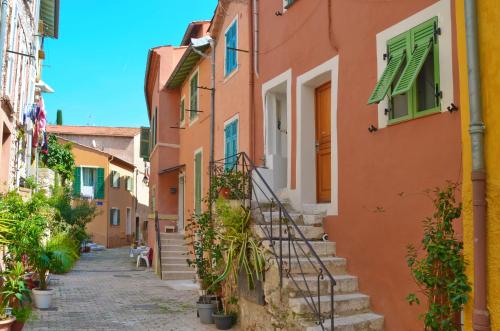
x: 323, y: 142
x: 180, y: 218
x: 129, y: 222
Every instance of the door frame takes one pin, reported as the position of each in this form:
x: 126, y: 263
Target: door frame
x: 181, y: 203
x: 305, y: 192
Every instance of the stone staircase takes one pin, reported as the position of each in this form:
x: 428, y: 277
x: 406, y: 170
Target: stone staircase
x: 174, y: 253
x: 352, y: 308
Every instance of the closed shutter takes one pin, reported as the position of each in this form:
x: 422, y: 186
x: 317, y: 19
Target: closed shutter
x: 397, y: 55
x: 231, y: 43
x: 231, y: 133
x: 197, y: 187
x: 144, y: 143
x: 100, y: 184
x: 77, y: 181
x: 423, y: 39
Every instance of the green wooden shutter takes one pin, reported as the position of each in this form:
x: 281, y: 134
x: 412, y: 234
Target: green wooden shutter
x: 197, y: 185
x: 100, y: 184
x: 288, y: 3
x: 77, y: 181
x: 193, y: 97
x: 423, y: 40
x: 182, y: 110
x: 112, y: 178
x: 111, y: 211
x: 397, y: 55
x: 144, y: 143
x: 118, y: 216
x: 118, y: 179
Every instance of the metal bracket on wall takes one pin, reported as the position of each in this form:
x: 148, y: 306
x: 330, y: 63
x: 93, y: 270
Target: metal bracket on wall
x: 452, y: 108
x: 372, y: 128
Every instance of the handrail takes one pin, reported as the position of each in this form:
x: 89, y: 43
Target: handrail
x: 158, y: 240
x: 248, y: 168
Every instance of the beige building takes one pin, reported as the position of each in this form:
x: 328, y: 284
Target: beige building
x: 122, y: 144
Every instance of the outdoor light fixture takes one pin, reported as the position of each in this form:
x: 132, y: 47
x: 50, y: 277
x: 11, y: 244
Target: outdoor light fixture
x: 145, y: 180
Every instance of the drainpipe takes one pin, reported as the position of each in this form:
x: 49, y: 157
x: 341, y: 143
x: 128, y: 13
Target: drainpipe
x: 252, y: 64
x: 480, y: 315
x: 3, y: 37
x: 212, y: 122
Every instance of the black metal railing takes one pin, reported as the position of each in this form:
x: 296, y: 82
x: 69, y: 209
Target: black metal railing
x: 255, y: 193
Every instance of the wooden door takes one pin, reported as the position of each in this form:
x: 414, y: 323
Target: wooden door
x: 323, y: 143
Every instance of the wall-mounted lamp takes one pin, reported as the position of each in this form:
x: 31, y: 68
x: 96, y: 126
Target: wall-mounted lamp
x: 145, y: 180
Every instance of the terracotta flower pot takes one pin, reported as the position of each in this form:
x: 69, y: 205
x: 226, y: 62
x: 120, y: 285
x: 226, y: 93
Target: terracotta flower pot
x: 17, y: 326
x: 5, y: 325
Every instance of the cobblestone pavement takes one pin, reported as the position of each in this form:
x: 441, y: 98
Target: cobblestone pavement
x: 105, y: 291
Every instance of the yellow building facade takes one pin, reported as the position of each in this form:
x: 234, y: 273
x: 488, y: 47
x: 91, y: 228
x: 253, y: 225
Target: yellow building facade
x: 488, y: 16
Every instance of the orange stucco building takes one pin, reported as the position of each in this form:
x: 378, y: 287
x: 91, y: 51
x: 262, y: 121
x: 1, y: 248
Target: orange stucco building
x: 317, y: 91
x: 108, y: 181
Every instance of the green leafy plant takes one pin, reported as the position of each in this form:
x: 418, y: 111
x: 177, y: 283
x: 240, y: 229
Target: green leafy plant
x: 438, y: 266
x: 30, y: 182
x: 14, y: 290
x: 59, y: 158
x: 229, y: 184
x: 206, y: 251
x: 23, y: 313
x: 241, y: 251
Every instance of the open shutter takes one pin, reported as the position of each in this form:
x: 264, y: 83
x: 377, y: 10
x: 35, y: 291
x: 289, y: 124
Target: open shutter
x: 117, y: 216
x: 111, y: 212
x: 182, y: 110
x: 100, y: 184
x: 397, y: 55
x: 144, y: 143
x: 193, y: 97
x: 423, y: 37
x: 77, y: 181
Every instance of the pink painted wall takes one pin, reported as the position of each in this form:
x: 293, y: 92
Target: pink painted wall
x: 382, y: 176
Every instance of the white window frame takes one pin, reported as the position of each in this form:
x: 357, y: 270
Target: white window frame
x: 235, y: 70
x: 442, y: 10
x: 113, y: 219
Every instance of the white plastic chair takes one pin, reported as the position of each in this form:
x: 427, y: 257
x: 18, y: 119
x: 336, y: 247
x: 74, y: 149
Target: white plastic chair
x: 143, y: 256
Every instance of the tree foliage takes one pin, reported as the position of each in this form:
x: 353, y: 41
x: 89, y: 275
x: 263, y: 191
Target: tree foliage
x: 59, y: 158
x: 438, y: 266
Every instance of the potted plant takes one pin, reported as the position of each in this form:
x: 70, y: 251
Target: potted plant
x: 48, y: 257
x: 15, y: 294
x: 206, y: 256
x: 229, y: 185
x: 225, y: 316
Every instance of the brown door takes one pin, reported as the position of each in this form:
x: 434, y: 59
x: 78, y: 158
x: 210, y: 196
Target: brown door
x: 323, y: 143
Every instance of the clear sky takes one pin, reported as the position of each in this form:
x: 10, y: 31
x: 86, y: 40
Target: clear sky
x: 98, y: 63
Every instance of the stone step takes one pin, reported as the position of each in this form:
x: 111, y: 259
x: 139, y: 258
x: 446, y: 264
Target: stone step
x: 166, y: 235
x: 177, y: 242
x: 313, y: 219
x: 300, y: 248
x: 174, y: 260
x: 296, y: 217
x: 175, y: 267
x: 310, y: 266
x: 173, y: 248
x: 174, y: 254
x: 357, y: 322
x: 178, y: 275
x: 310, y: 232
x: 343, y: 304
x: 315, y: 209
x: 345, y: 284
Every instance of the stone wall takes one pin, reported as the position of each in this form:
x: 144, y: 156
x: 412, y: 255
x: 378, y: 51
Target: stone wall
x: 46, y: 179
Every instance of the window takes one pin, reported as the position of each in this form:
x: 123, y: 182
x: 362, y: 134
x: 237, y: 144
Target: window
x: 145, y: 137
x: 129, y: 183
x: 411, y: 78
x: 193, y: 98
x: 88, y: 183
x: 115, y: 179
x: 182, y: 111
x: 197, y: 182
x: 231, y: 44
x: 231, y: 144
x: 114, y: 216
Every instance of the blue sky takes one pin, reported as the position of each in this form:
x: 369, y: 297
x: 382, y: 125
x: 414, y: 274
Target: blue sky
x: 98, y: 63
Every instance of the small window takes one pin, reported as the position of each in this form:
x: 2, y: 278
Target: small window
x: 114, y: 216
x: 130, y: 184
x: 231, y: 45
x: 89, y: 182
x: 193, y: 98
x: 182, y: 111
x: 115, y: 179
x: 411, y: 78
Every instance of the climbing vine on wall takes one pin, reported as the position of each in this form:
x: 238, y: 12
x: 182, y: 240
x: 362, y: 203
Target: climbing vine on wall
x: 438, y: 265
x: 59, y: 158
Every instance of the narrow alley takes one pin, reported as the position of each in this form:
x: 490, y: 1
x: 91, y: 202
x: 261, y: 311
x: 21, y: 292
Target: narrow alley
x: 105, y: 291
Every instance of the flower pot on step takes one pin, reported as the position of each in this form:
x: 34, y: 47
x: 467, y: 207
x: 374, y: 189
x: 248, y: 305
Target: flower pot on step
x: 5, y: 325
x: 222, y: 321
x: 42, y: 298
x: 205, y: 310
